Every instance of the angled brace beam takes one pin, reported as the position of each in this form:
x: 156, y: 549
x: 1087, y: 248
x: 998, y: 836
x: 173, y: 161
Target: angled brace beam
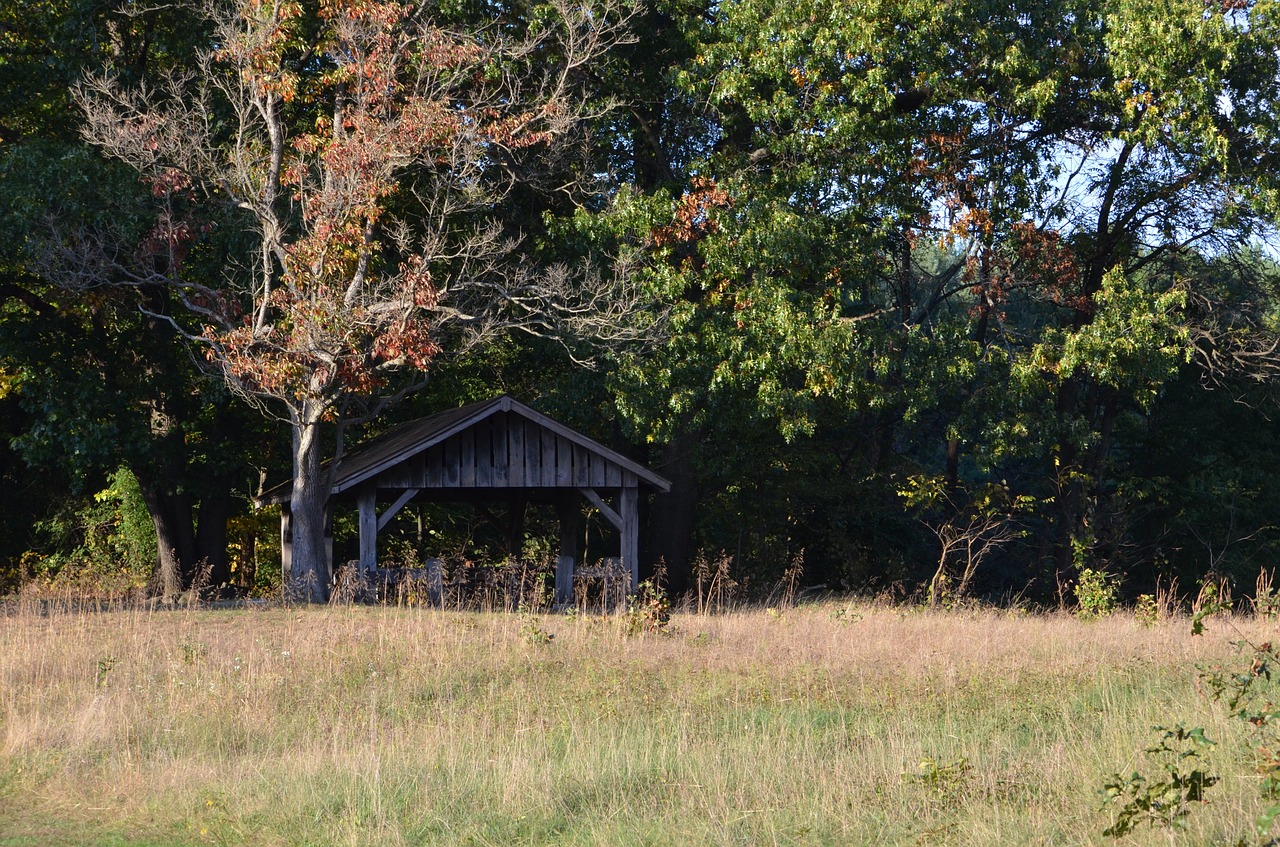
x: 395, y: 507
x: 598, y: 501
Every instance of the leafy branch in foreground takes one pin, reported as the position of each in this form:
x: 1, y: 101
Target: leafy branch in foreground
x: 1163, y: 800
x: 1248, y: 692
x: 1249, y: 696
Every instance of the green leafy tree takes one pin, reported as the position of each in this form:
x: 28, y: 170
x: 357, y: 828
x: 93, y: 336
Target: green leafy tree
x: 962, y: 225
x: 98, y: 382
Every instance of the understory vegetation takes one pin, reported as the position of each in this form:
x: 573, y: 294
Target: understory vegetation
x: 957, y: 300
x: 830, y: 723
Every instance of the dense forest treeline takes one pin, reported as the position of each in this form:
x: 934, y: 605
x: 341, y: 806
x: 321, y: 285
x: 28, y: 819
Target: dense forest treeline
x: 955, y: 298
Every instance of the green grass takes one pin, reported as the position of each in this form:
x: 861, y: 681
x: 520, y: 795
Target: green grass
x: 390, y: 727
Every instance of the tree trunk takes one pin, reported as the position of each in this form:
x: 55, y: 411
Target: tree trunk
x: 671, y: 519
x: 175, y: 536
x: 309, y: 571
x: 211, y: 536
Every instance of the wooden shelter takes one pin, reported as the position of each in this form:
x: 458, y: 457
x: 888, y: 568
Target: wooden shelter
x: 495, y: 450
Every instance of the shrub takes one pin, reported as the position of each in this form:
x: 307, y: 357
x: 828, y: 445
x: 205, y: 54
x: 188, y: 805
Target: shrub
x: 1097, y: 593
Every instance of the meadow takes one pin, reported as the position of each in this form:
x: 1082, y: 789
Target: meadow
x: 822, y: 724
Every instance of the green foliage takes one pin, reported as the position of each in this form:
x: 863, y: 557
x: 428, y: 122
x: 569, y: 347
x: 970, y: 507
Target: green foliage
x: 1133, y: 344
x: 533, y: 632
x: 1146, y: 611
x: 1164, y: 799
x: 996, y: 250
x: 1266, y: 599
x: 1097, y: 594
x: 109, y: 541
x: 102, y: 673
x: 649, y: 611
x: 1249, y: 693
x: 945, y: 779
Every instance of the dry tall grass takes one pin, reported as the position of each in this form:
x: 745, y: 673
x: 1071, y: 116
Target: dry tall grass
x: 822, y: 724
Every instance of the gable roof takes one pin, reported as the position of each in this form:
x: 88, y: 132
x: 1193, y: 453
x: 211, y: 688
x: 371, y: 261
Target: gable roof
x: 402, y: 442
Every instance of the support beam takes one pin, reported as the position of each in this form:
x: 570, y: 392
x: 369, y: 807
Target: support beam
x: 568, y: 512
x: 328, y: 544
x: 367, y: 501
x: 598, y: 501
x: 395, y: 507
x: 629, y: 506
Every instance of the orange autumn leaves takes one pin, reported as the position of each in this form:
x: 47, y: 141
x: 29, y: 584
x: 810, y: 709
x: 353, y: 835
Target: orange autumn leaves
x: 344, y: 313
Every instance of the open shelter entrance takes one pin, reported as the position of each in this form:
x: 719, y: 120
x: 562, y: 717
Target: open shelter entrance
x: 494, y: 450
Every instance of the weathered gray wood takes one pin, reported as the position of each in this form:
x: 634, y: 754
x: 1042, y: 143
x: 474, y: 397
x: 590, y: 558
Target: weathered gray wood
x: 399, y: 445
x: 435, y: 467
x: 543, y: 422
x: 411, y: 473
x: 366, y: 502
x: 564, y: 462
x: 532, y: 455
x: 435, y: 580
x: 452, y: 464
x: 568, y: 513
x: 605, y: 509
x: 548, y: 458
x: 468, y: 458
x: 629, y: 506
x: 501, y: 458
x: 581, y: 467
x: 405, y: 497
x: 494, y: 446
x: 515, y: 452
x: 394, y: 477
x: 484, y: 454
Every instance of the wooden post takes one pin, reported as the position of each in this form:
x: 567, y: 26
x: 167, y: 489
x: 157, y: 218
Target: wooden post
x: 568, y: 512
x: 368, y: 530
x: 328, y: 544
x: 629, y: 511
x: 286, y: 542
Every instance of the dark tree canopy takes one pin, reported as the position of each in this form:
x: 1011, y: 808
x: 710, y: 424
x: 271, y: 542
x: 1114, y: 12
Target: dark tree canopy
x: 955, y: 297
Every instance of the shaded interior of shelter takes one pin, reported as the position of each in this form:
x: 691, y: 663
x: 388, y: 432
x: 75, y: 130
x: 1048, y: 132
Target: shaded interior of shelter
x: 505, y: 469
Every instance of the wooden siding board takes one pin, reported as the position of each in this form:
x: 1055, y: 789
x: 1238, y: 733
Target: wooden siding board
x: 392, y: 477
x: 467, y: 458
x: 564, y: 462
x: 515, y: 455
x: 484, y: 454
x: 368, y: 529
x: 435, y: 467
x: 629, y: 511
x: 548, y: 457
x: 410, y: 473
x: 452, y: 463
x: 501, y: 454
x: 532, y: 454
x: 612, y: 475
x: 581, y: 467
x: 399, y: 444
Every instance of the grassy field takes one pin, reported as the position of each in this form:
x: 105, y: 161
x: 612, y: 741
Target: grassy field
x: 823, y: 724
